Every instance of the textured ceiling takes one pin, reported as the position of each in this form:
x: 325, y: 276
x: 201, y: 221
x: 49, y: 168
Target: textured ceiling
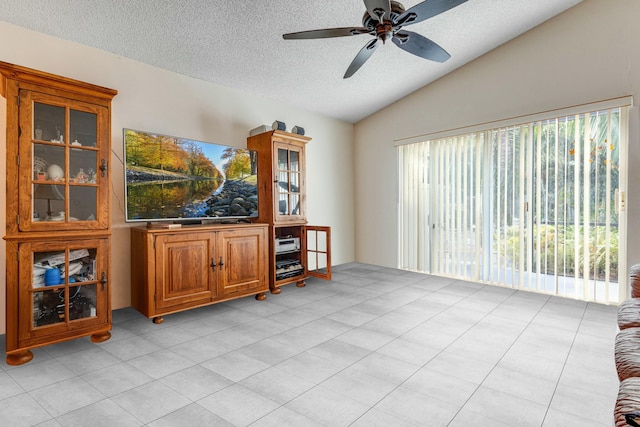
x: 240, y: 45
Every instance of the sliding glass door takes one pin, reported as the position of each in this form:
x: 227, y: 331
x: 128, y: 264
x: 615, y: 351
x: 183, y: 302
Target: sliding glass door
x: 533, y: 206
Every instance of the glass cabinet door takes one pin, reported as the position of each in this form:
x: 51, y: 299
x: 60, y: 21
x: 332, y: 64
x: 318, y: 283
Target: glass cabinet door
x: 66, y: 169
x: 67, y: 286
x: 289, y: 191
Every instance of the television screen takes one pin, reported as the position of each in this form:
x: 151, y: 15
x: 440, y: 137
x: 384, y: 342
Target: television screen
x: 179, y: 179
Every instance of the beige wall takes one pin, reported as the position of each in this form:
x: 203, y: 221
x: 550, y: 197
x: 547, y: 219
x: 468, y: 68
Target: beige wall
x: 589, y: 53
x: 164, y: 102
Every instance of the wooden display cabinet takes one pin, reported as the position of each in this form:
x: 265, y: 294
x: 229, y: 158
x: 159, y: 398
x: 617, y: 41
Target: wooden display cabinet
x: 281, y: 176
x: 282, y: 205
x: 178, y: 269
x: 58, y: 209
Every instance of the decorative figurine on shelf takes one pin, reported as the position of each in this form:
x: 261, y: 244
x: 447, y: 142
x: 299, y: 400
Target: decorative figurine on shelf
x: 81, y: 176
x: 91, y: 176
x: 60, y: 138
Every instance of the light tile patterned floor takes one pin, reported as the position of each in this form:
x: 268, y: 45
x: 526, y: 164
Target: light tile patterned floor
x: 373, y: 347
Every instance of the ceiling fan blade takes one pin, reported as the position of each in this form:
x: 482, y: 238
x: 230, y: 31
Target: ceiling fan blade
x: 326, y: 33
x: 426, y: 10
x: 420, y: 46
x: 362, y: 56
x: 378, y: 9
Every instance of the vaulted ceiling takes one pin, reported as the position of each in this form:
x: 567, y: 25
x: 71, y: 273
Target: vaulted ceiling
x: 240, y: 44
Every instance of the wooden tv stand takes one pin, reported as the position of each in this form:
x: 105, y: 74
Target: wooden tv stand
x: 177, y: 269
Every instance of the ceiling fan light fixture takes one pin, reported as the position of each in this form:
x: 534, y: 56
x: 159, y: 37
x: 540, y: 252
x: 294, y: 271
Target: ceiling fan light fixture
x: 384, y: 31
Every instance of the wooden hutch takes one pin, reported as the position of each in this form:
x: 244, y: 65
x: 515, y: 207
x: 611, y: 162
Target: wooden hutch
x: 58, y: 210
x: 296, y: 249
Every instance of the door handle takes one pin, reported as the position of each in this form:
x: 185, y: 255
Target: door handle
x: 213, y: 265
x: 103, y: 167
x: 221, y: 263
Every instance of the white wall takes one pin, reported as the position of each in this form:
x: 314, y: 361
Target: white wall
x: 164, y: 102
x: 589, y: 53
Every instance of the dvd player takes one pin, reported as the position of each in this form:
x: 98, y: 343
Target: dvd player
x: 287, y: 244
x: 288, y: 268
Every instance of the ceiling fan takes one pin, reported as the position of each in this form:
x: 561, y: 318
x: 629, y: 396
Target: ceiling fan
x: 385, y: 19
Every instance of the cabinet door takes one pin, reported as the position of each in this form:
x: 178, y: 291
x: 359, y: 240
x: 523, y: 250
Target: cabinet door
x: 242, y: 261
x: 185, y: 269
x: 318, y: 251
x: 63, y: 287
x: 289, y: 203
x: 63, y: 155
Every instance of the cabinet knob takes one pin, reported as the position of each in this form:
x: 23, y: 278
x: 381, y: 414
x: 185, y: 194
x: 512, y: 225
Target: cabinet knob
x: 103, y: 167
x: 103, y: 280
x: 221, y: 263
x: 213, y: 264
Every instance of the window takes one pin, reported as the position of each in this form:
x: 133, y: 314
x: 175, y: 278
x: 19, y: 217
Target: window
x: 534, y: 205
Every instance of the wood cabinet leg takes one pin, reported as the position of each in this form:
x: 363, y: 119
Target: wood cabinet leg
x: 301, y: 284
x: 261, y: 296
x: 158, y: 320
x: 101, y: 336
x: 275, y: 291
x: 19, y: 358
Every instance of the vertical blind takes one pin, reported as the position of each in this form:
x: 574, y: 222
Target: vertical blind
x: 531, y: 206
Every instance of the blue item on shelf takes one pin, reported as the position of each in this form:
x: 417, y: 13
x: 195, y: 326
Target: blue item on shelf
x: 52, y: 277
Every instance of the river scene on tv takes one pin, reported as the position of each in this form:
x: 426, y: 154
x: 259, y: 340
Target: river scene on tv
x: 176, y: 178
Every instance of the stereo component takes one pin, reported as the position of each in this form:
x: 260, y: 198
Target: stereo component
x: 288, y: 268
x: 287, y: 244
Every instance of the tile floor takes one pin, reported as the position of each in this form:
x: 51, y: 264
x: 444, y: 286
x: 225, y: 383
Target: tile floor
x: 373, y: 347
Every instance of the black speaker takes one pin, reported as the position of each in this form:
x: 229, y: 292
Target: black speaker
x: 279, y: 126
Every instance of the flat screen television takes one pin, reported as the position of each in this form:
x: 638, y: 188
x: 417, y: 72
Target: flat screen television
x: 168, y: 178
